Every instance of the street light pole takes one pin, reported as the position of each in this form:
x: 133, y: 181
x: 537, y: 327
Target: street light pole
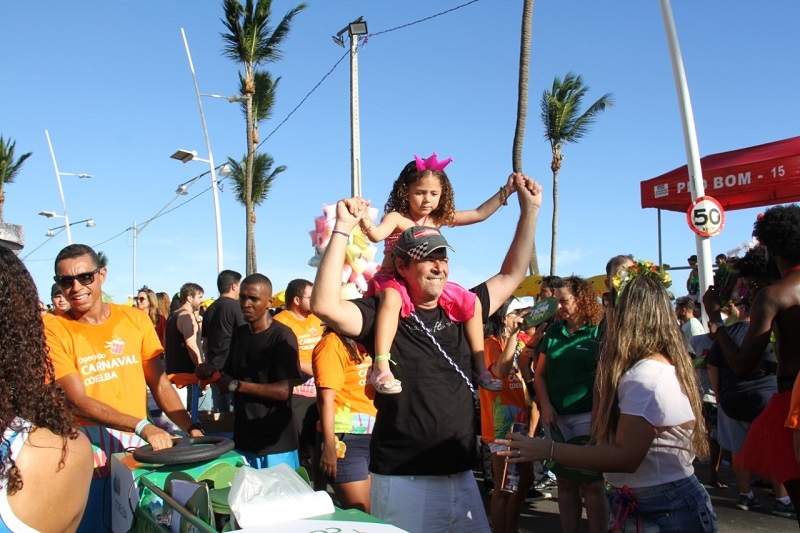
x: 355, y: 132
x: 60, y: 188
x: 354, y: 30
x: 214, y: 191
x: 133, y: 278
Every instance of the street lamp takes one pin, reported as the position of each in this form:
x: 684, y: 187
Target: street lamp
x: 52, y: 231
x: 60, y: 188
x: 210, y: 159
x: 238, y: 98
x: 180, y: 191
x: 354, y: 30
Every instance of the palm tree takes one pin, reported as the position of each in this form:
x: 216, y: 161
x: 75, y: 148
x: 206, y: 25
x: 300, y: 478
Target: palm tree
x: 522, y: 102
x: 263, y: 176
x: 8, y: 167
x: 564, y: 123
x: 251, y: 42
x: 261, y: 103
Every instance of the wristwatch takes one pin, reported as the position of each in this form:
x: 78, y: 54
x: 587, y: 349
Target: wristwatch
x: 233, y: 386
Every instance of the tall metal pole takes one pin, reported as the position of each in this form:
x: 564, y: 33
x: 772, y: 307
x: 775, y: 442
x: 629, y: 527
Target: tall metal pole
x: 214, y: 191
x: 355, y: 134
x: 133, y: 281
x: 60, y: 188
x: 703, y: 244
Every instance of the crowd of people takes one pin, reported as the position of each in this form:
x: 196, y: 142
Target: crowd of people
x: 618, y: 393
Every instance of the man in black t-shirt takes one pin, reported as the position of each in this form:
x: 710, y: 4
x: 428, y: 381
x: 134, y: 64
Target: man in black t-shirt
x: 219, y: 321
x: 260, y: 371
x: 423, y: 442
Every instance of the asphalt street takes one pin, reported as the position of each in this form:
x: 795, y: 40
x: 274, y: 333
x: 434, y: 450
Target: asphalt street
x: 542, y: 516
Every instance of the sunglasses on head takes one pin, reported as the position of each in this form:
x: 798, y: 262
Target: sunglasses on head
x: 66, y: 282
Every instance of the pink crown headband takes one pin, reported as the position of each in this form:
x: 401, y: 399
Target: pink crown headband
x: 432, y: 163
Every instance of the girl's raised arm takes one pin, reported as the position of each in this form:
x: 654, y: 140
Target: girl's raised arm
x: 487, y: 208
x: 377, y: 232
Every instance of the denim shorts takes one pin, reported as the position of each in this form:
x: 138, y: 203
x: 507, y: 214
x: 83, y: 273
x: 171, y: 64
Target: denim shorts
x: 419, y: 504
x: 681, y: 506
x: 266, y: 461
x: 354, y: 466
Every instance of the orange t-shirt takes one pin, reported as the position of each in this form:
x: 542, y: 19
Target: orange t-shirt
x: 499, y: 409
x: 108, y: 357
x: 333, y: 369
x: 308, y: 333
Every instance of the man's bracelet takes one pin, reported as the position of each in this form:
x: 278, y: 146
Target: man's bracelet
x: 143, y: 423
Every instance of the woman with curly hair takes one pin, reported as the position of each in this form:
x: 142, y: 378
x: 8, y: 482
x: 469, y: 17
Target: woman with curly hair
x: 649, y: 425
x: 46, y: 463
x: 565, y: 374
x: 147, y: 301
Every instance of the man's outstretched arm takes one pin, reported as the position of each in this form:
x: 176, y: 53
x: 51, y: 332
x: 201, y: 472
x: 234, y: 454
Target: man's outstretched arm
x: 517, y: 259
x: 341, y: 315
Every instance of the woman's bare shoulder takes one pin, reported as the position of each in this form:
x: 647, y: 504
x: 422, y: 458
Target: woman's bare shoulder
x: 47, y: 484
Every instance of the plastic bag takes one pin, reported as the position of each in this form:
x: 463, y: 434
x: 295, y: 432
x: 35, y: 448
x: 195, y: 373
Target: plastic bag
x: 274, y: 495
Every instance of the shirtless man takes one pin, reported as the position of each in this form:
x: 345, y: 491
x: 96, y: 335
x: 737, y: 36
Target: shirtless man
x: 775, y: 309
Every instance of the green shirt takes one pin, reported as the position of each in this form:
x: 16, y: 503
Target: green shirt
x: 570, y: 365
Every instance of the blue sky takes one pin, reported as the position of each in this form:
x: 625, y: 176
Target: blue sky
x: 111, y: 83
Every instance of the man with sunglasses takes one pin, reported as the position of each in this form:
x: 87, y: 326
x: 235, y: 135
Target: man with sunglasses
x: 105, y: 356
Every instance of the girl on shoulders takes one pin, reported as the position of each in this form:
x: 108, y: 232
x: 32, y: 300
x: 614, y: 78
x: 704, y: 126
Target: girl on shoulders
x: 423, y: 196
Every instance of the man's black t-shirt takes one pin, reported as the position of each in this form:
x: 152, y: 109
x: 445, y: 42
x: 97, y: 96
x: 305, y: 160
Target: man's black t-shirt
x: 219, y: 321
x: 263, y: 426
x: 429, y: 428
x: 176, y: 354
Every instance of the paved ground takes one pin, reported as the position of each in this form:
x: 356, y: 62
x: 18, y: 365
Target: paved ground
x: 542, y: 517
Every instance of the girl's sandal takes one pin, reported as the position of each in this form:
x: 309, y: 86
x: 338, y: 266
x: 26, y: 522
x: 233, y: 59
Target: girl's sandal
x: 389, y: 386
x: 489, y: 382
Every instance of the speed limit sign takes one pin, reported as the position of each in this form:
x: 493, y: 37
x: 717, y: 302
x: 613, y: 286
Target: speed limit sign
x: 706, y: 216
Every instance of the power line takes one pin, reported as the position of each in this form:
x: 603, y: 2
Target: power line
x: 288, y: 116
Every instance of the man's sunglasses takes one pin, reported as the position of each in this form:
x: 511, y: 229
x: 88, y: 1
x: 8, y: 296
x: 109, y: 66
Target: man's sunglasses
x: 86, y: 278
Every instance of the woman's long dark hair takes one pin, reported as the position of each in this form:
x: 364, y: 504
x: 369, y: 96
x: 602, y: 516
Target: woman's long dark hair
x: 350, y: 345
x: 27, y: 388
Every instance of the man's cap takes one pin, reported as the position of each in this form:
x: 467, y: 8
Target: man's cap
x: 418, y: 242
x: 692, y: 258
x: 55, y: 289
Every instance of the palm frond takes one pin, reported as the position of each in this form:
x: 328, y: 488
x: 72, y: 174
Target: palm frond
x: 9, y: 168
x: 263, y: 177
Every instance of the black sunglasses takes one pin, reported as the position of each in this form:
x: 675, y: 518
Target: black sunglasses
x: 86, y: 278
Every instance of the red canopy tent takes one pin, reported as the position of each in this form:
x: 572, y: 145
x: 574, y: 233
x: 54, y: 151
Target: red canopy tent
x: 762, y: 175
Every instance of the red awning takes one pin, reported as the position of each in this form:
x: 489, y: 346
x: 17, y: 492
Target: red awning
x: 762, y: 175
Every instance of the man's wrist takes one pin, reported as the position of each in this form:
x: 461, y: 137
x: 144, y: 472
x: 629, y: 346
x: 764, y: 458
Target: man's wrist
x: 344, y: 228
x: 196, y: 426
x: 140, y: 427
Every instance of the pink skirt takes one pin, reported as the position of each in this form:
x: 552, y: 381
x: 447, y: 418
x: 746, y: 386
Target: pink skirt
x: 768, y: 449
x: 457, y: 302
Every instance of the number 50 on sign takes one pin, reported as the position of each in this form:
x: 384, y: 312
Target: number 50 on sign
x: 705, y: 216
